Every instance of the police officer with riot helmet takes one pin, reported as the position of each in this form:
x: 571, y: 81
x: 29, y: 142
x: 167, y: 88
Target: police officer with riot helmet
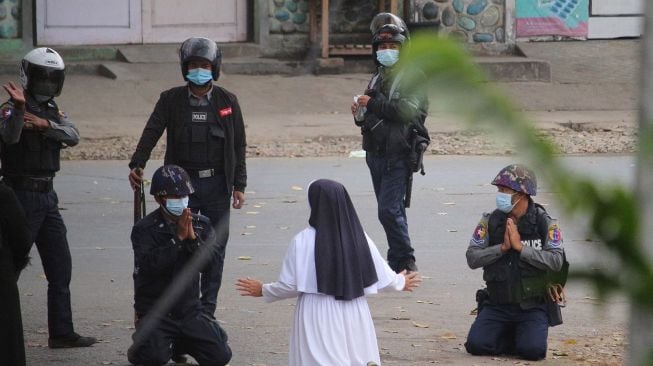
x: 518, y: 245
x: 206, y: 137
x: 166, y: 243
x: 33, y: 132
x: 392, y: 112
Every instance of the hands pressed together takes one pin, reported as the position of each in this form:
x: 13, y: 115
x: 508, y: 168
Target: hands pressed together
x: 185, y: 229
x: 511, y: 238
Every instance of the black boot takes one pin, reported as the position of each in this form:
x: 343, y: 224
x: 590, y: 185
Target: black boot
x: 71, y: 341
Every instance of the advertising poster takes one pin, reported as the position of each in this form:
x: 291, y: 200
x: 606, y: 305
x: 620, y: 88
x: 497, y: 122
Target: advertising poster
x: 552, y: 18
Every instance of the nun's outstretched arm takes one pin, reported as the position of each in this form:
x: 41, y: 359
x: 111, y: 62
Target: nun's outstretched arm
x: 278, y: 291
x: 286, y: 285
x: 413, y: 280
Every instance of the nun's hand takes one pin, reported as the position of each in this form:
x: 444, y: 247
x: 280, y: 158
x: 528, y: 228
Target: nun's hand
x: 249, y: 287
x: 413, y: 280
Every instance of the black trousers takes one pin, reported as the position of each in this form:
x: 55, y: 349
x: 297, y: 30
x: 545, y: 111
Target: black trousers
x: 212, y: 199
x: 12, y: 345
x: 49, y: 233
x: 197, y: 334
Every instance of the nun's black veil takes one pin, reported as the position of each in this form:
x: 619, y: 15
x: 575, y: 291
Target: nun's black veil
x: 343, y: 261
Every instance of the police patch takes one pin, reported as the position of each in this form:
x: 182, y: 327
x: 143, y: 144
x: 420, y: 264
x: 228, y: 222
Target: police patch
x: 555, y: 235
x: 480, y: 233
x: 6, y: 112
x: 199, y: 117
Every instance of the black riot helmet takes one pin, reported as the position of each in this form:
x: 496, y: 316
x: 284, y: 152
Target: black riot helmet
x: 388, y: 33
x: 200, y: 48
x: 42, y: 73
x: 171, y: 180
x: 382, y: 19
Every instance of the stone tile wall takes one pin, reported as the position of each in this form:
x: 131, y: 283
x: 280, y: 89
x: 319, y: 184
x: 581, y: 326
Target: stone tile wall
x: 10, y: 22
x: 480, y: 23
x: 475, y: 21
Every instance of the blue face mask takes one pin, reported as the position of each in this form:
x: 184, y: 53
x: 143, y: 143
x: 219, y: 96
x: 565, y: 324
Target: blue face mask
x: 387, y: 57
x: 504, y: 202
x: 176, y: 206
x: 199, y: 76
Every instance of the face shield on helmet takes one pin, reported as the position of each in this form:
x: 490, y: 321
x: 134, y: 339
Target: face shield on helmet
x: 199, y: 48
x: 42, y: 73
x: 382, y: 19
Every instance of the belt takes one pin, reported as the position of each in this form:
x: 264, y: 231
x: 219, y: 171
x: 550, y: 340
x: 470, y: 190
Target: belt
x: 207, y: 173
x: 42, y: 185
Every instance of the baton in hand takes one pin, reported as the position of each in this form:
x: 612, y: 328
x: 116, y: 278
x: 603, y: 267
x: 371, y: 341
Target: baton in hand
x: 139, y: 201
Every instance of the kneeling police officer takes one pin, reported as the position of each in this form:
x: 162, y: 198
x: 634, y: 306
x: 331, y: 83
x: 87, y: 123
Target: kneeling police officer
x: 519, y: 246
x: 171, y: 245
x: 205, y: 136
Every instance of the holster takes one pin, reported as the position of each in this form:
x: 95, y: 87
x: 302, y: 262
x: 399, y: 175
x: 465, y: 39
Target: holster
x: 553, y: 312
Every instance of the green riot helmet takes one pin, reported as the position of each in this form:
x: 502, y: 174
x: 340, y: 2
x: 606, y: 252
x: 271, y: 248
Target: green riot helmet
x: 518, y: 178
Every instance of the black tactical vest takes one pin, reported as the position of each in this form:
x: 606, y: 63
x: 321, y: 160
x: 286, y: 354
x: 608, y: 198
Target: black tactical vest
x: 200, y: 143
x: 34, y: 154
x: 510, y: 280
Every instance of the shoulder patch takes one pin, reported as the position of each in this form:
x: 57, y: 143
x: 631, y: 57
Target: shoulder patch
x: 6, y: 112
x: 480, y: 233
x: 225, y: 111
x: 555, y: 235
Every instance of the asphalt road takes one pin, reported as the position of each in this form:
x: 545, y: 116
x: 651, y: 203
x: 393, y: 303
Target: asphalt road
x: 425, y: 327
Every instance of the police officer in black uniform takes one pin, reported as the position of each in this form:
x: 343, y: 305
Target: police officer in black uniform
x: 519, y: 246
x: 33, y: 132
x: 393, y: 111
x: 206, y: 137
x: 167, y: 243
x: 15, y: 245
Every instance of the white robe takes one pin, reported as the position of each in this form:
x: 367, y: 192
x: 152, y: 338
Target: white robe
x: 327, y: 331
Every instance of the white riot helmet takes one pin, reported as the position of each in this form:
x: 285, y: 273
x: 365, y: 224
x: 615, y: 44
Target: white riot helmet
x: 42, y: 73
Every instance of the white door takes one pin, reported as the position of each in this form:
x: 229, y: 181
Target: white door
x: 76, y: 22
x: 172, y: 21
x: 615, y: 19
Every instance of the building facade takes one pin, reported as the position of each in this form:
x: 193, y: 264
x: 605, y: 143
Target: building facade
x: 282, y: 27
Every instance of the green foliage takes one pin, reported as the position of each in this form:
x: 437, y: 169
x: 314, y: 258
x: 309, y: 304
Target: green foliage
x: 447, y: 71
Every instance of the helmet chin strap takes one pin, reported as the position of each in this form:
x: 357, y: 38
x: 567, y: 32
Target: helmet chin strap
x: 40, y: 98
x: 513, y: 208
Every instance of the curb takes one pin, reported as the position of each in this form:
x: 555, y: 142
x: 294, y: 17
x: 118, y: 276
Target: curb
x: 113, y: 63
